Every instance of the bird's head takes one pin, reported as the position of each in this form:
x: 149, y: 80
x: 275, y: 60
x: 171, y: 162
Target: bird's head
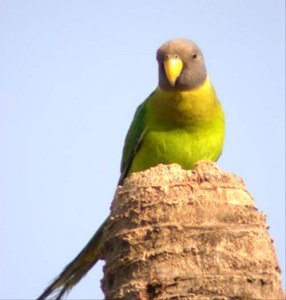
x: 181, y: 65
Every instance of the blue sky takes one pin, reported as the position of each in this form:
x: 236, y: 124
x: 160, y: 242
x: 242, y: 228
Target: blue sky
x: 71, y: 76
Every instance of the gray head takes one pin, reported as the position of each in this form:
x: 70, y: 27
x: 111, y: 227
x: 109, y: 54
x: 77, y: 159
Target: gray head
x: 181, y: 65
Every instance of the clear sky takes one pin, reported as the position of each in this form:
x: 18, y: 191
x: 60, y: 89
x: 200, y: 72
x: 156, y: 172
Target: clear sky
x: 71, y: 76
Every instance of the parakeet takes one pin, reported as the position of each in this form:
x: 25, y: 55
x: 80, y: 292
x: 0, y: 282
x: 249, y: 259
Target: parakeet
x: 181, y: 122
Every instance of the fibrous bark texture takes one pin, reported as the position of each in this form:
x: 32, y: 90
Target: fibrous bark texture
x: 176, y: 234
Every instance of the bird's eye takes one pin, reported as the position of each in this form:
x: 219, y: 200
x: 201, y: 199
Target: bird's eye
x: 194, y: 55
x: 176, y: 56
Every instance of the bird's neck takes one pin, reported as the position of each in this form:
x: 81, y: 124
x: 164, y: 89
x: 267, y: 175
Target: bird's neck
x: 188, y: 106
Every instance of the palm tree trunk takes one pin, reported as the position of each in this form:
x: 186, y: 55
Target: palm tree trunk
x: 176, y: 234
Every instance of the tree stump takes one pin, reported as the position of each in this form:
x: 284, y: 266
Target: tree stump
x: 177, y: 234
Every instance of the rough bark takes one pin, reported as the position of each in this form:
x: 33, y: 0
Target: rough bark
x: 176, y: 234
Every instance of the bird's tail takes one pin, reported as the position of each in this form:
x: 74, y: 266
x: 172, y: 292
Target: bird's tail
x: 77, y: 268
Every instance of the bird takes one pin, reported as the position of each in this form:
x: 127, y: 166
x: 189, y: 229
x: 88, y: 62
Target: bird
x: 182, y: 121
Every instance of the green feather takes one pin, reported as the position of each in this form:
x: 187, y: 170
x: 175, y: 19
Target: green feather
x: 174, y: 127
x: 133, y: 139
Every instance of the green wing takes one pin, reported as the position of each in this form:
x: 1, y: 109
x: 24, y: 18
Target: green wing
x: 133, y: 139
